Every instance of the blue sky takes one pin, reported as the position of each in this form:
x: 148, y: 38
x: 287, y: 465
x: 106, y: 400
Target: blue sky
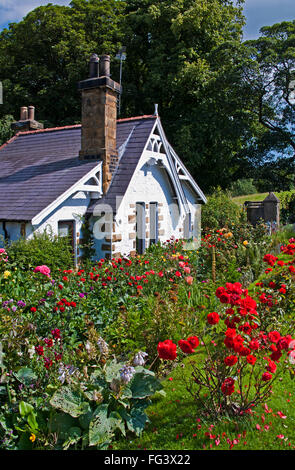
x: 258, y: 12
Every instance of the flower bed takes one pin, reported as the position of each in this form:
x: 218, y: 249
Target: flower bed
x: 80, y: 347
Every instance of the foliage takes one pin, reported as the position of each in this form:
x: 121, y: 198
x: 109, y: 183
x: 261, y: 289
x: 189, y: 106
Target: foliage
x: 270, y: 74
x: 239, y: 357
x: 82, y: 406
x: 181, y: 55
x: 42, y: 248
x: 5, y: 129
x: 44, y: 56
x: 220, y: 210
x: 287, y: 206
x: 87, y: 242
x: 59, y: 379
x: 242, y: 187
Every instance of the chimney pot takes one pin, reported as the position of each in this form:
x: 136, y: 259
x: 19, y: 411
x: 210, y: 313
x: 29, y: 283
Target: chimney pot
x: 31, y: 110
x: 23, y: 113
x: 105, y: 66
x: 94, y: 66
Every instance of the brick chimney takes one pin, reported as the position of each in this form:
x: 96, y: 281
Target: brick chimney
x: 27, y: 120
x: 99, y: 117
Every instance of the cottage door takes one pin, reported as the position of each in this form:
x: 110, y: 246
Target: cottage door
x: 140, y: 227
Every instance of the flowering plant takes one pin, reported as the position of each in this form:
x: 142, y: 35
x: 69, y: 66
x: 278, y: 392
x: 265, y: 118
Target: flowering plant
x: 237, y: 361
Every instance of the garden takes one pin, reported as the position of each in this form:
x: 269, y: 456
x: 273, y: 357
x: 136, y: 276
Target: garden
x: 190, y: 346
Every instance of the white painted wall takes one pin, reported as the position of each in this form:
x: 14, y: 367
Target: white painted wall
x: 150, y: 184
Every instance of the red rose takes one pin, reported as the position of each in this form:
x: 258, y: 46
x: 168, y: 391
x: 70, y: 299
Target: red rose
x: 254, y: 344
x: 167, y: 350
x: 213, y: 318
x: 39, y: 350
x: 274, y: 336
x: 276, y: 355
x: 194, y: 341
x: 33, y: 309
x: 230, y: 360
x: 271, y: 367
x: 251, y: 359
x: 230, y: 333
x: 283, y: 343
x: 55, y: 333
x: 244, y: 351
x: 225, y: 298
x: 266, y: 376
x: 185, y: 346
x: 229, y: 342
x: 219, y: 291
x: 228, y: 387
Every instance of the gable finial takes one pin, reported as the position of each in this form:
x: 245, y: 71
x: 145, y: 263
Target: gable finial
x: 156, y: 110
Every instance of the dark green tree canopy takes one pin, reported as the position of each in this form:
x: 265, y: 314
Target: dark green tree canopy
x: 271, y: 76
x: 221, y: 101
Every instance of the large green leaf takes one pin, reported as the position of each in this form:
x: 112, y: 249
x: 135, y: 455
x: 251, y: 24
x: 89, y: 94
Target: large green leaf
x: 136, y: 420
x: 74, y: 436
x: 26, y: 376
x: 144, y: 385
x: 70, y: 401
x: 112, y: 370
x: 61, y: 423
x: 101, y: 428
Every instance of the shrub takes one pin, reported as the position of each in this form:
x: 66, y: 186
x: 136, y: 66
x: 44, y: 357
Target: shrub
x: 237, y: 361
x: 43, y: 248
x: 221, y: 210
x: 242, y: 187
x: 287, y: 201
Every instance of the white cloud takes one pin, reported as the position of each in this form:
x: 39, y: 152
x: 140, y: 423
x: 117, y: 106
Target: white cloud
x: 15, y: 10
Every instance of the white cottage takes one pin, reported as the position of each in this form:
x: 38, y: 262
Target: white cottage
x: 121, y: 175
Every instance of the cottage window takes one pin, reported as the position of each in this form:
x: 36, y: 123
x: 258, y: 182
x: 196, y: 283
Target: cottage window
x: 23, y: 229
x: 66, y: 229
x: 154, y: 223
x: 140, y: 227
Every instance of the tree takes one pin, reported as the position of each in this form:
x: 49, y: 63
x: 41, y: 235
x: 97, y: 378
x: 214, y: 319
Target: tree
x: 5, y: 128
x: 44, y: 56
x: 271, y: 76
x: 187, y: 57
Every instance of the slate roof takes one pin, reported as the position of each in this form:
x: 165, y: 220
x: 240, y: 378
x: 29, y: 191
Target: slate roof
x: 37, y: 167
x: 140, y: 131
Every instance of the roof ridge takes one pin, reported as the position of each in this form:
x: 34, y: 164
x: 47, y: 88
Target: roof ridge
x: 144, y: 116
x: 75, y: 126
x: 9, y: 141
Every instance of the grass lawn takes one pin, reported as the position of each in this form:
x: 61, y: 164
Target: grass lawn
x: 177, y: 424
x: 251, y: 197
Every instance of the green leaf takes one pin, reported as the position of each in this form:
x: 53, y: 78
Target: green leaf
x: 26, y: 376
x: 85, y: 419
x: 100, y: 428
x: 112, y: 370
x: 74, y: 436
x: 32, y: 422
x: 25, y: 408
x: 61, y: 423
x: 136, y: 420
x: 70, y: 401
x: 144, y: 385
x: 117, y: 422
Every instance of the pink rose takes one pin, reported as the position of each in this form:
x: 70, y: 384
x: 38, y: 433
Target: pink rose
x: 43, y: 270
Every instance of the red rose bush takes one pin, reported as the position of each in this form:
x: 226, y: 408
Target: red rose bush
x: 237, y: 362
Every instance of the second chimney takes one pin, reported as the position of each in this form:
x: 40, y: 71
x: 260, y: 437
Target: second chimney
x: 99, y: 117
x: 27, y: 120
